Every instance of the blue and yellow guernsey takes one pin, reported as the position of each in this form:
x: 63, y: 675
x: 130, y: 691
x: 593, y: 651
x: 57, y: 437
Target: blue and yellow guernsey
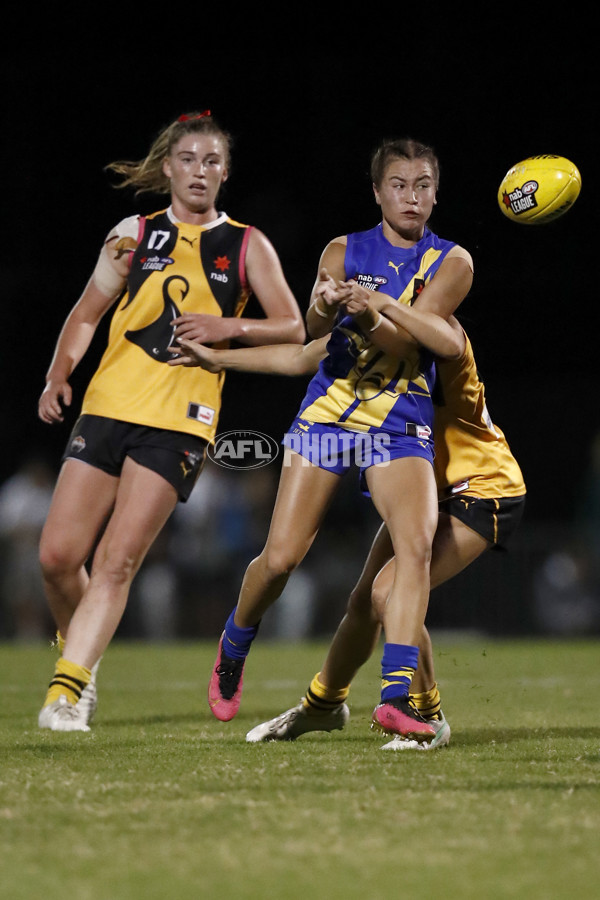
x: 358, y: 386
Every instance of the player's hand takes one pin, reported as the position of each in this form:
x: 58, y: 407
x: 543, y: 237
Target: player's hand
x: 327, y: 291
x: 202, y: 327
x: 55, y: 395
x: 190, y: 353
x: 355, y: 298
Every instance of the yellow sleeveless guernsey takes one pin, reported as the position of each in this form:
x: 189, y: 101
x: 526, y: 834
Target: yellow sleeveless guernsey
x: 176, y: 268
x: 472, y: 455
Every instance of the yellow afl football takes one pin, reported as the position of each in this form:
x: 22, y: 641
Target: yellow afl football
x: 539, y: 189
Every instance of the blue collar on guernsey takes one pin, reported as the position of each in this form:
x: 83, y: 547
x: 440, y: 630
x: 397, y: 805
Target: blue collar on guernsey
x: 416, y: 249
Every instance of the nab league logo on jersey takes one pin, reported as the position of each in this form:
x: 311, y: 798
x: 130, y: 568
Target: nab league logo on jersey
x: 370, y: 282
x: 156, y: 263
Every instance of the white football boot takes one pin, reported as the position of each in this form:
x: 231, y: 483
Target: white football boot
x: 291, y: 724
x: 62, y: 716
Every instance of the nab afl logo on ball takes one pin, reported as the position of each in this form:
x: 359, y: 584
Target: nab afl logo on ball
x: 539, y: 189
x: 521, y: 199
x: 243, y: 450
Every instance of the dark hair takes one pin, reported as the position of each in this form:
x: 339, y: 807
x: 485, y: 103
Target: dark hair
x: 147, y: 174
x: 402, y: 148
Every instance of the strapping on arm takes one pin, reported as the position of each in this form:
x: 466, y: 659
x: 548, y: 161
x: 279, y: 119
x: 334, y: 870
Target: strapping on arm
x: 109, y: 277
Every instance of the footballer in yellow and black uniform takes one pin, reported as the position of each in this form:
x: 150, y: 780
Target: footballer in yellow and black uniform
x: 479, y: 480
x: 175, y: 268
x: 135, y: 404
x: 144, y: 426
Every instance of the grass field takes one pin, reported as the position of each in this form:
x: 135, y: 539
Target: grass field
x: 162, y: 801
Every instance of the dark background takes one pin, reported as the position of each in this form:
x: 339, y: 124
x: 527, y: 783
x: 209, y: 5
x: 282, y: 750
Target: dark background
x: 306, y: 101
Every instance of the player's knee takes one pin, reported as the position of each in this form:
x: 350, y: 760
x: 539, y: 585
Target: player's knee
x: 57, y: 560
x: 414, y: 546
x: 359, y: 601
x: 379, y: 596
x: 278, y: 561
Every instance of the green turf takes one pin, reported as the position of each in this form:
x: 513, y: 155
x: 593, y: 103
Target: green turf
x: 162, y: 801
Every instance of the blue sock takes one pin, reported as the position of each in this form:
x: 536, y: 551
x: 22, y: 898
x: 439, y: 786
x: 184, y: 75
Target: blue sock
x: 398, y: 665
x: 237, y: 641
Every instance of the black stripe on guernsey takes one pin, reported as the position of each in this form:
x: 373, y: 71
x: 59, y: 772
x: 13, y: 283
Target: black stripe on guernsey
x: 319, y: 702
x: 220, y: 250
x: 73, y: 684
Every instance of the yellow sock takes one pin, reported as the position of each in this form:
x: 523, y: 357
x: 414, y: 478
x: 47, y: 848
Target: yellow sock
x: 321, y: 699
x: 69, y: 679
x: 428, y: 702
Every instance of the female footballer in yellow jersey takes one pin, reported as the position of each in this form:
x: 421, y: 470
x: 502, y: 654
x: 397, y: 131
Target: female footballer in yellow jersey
x: 139, y: 444
x: 481, y: 500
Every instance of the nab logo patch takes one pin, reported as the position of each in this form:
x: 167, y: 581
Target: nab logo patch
x: 156, y: 263
x: 221, y: 263
x: 243, y: 450
x: 521, y: 199
x: 370, y: 282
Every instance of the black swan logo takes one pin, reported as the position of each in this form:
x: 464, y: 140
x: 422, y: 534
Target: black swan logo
x: 156, y: 338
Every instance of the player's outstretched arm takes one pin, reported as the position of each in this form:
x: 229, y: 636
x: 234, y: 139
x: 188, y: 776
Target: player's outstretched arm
x: 282, y: 321
x: 277, y: 359
x: 444, y: 338
x: 394, y: 326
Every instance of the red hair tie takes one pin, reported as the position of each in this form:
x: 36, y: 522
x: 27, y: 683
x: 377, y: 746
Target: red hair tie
x: 201, y: 115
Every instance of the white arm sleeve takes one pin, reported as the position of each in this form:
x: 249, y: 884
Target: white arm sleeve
x: 106, y: 278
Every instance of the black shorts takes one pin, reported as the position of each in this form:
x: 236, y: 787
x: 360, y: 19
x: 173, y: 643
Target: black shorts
x: 105, y: 443
x: 495, y: 520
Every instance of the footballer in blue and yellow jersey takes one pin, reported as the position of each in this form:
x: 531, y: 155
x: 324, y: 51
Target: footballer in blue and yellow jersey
x: 358, y: 386
x: 176, y: 268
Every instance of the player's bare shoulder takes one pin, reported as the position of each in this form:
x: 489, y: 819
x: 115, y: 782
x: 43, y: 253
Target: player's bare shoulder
x: 334, y: 255
x: 458, y: 252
